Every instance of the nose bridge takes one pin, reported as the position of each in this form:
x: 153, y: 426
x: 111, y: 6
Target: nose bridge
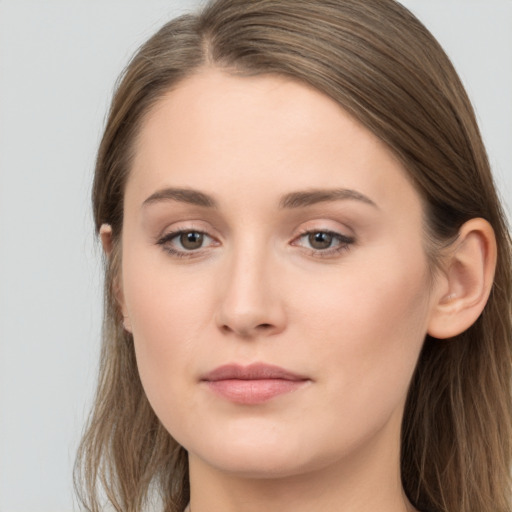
x: 251, y: 302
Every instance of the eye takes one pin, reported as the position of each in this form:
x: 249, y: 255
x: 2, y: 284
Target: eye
x: 323, y: 242
x: 185, y: 242
x: 191, y: 240
x: 320, y: 240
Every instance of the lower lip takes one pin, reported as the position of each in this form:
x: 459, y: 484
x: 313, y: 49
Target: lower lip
x: 255, y: 391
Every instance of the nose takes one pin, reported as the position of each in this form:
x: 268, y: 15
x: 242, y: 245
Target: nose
x: 251, y: 303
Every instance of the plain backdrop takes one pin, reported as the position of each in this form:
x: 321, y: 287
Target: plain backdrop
x: 58, y: 63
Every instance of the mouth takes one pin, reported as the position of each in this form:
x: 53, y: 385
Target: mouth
x: 253, y: 384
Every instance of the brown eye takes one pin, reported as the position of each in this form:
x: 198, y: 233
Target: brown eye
x: 320, y: 240
x: 191, y: 240
x: 324, y: 244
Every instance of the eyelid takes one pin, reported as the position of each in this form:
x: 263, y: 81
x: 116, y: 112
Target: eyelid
x: 345, y: 241
x: 185, y: 224
x: 339, y: 236
x: 166, y: 236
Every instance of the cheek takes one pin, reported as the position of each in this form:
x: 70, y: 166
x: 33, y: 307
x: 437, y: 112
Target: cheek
x: 369, y: 323
x: 167, y: 311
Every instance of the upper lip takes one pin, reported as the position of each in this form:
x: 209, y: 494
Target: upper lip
x: 255, y: 371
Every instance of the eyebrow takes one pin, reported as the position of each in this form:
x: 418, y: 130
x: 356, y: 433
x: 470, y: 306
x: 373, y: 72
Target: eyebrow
x: 292, y: 200
x: 182, y: 195
x: 311, y: 197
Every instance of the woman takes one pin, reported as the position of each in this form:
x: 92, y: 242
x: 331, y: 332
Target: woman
x: 308, y: 272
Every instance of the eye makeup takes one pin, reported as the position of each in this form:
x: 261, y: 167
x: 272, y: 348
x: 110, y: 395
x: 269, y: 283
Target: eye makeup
x: 193, y: 243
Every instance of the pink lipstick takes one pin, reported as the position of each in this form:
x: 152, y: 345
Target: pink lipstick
x: 253, y: 384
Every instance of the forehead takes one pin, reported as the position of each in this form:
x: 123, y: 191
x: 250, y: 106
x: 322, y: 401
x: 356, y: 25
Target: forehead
x: 246, y: 110
x: 217, y: 129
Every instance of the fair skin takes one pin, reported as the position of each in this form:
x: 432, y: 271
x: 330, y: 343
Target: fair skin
x: 262, y: 224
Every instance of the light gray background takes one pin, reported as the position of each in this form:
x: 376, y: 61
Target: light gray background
x: 58, y: 64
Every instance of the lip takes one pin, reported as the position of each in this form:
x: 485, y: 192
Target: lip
x: 252, y: 384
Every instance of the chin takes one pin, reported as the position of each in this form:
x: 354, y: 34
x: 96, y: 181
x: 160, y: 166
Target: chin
x: 259, y: 452
x: 256, y: 463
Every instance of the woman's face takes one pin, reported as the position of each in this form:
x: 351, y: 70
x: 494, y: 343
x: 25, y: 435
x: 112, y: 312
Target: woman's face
x: 273, y: 276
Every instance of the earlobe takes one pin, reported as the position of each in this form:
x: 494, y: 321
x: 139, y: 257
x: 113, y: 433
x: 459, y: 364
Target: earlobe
x: 466, y: 280
x: 126, y: 324
x: 106, y: 238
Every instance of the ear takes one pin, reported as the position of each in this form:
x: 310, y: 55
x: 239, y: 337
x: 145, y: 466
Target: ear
x: 107, y: 243
x: 465, y: 281
x: 106, y: 238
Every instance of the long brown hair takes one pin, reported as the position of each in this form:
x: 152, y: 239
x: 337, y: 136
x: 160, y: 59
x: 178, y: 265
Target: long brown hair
x: 383, y: 67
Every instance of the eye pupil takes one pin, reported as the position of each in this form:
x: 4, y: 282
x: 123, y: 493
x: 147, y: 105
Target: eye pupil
x: 191, y: 240
x: 320, y: 240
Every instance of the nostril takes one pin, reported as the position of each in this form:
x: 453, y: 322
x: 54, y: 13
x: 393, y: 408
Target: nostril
x: 248, y: 331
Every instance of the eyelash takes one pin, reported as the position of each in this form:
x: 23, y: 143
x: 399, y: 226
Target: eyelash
x: 343, y: 243
x: 165, y: 240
